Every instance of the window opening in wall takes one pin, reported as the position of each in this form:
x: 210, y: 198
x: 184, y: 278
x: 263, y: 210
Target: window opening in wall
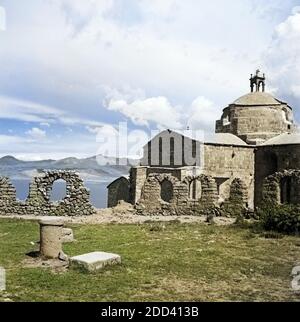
x: 59, y: 190
x: 166, y: 192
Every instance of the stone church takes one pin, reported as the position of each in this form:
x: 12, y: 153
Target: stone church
x: 253, y: 156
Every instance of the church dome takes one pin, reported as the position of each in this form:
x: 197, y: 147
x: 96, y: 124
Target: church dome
x: 257, y: 116
x: 257, y: 99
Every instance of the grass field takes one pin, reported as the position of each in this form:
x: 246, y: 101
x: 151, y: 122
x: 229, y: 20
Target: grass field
x: 181, y: 262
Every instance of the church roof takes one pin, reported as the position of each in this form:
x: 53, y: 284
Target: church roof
x: 206, y: 137
x: 257, y: 99
x: 223, y: 138
x: 283, y: 139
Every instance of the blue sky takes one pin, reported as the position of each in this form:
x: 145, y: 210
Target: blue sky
x: 69, y: 67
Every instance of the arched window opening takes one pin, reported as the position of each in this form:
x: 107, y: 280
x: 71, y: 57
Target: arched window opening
x: 166, y: 192
x: 22, y: 188
x: 59, y: 190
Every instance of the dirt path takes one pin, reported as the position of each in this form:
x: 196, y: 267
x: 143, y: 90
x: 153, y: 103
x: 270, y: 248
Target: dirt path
x: 125, y: 216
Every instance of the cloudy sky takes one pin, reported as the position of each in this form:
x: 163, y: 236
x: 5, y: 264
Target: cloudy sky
x: 70, y: 67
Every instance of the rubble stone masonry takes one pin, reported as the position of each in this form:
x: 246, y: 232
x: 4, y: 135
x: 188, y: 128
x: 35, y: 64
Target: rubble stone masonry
x: 38, y: 202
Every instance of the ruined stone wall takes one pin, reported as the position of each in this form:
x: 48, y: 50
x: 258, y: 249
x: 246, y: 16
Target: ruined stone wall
x: 225, y: 163
x: 272, y: 159
x: 7, y: 192
x: 138, y: 177
x: 276, y: 191
x: 184, y: 202
x: 181, y: 203
x: 38, y: 202
x: 237, y: 201
x: 8, y: 201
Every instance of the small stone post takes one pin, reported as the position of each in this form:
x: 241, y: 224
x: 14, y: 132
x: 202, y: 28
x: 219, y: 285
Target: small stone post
x: 51, y: 236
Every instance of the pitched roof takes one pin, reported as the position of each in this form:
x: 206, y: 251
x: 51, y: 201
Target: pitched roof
x: 283, y: 139
x: 205, y: 137
x: 223, y: 138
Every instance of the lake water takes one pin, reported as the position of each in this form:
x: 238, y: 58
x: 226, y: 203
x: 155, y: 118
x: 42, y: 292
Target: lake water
x: 98, y: 191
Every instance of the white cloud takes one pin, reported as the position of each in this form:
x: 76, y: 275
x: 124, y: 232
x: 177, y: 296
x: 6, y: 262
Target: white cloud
x: 86, y: 8
x: 2, y: 19
x: 46, y: 124
x: 9, y: 140
x: 203, y: 114
x: 73, y: 49
x: 296, y: 10
x: 142, y: 112
x: 68, y: 54
x: 121, y: 142
x: 36, y: 133
x: 200, y: 114
x: 158, y: 7
x: 28, y: 148
x: 283, y: 57
x: 22, y: 110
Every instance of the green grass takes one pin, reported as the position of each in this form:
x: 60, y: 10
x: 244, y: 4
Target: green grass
x: 181, y: 262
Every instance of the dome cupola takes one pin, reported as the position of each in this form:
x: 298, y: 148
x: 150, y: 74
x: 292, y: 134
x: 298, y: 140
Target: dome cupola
x: 256, y: 116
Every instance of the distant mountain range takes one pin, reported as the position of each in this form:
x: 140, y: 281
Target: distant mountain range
x: 89, y: 168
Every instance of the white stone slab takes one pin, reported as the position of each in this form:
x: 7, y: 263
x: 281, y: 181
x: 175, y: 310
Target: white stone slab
x: 95, y: 261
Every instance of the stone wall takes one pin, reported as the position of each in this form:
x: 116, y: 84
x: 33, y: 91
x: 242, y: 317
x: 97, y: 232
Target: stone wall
x: 256, y: 123
x: 139, y: 175
x: 172, y: 193
x: 38, y: 202
x: 237, y: 201
x: 225, y: 163
x: 282, y: 187
x: 137, y: 178
x: 180, y: 203
x: 222, y: 165
x: 272, y: 159
x: 7, y: 192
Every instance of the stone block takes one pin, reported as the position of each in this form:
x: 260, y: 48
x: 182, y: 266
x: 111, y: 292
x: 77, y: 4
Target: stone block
x: 93, y: 262
x: 67, y: 235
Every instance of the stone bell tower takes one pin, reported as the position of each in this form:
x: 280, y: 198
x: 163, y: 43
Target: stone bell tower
x: 258, y: 81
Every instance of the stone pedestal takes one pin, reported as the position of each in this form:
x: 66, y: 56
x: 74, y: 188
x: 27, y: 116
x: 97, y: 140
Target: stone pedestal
x: 51, y: 237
